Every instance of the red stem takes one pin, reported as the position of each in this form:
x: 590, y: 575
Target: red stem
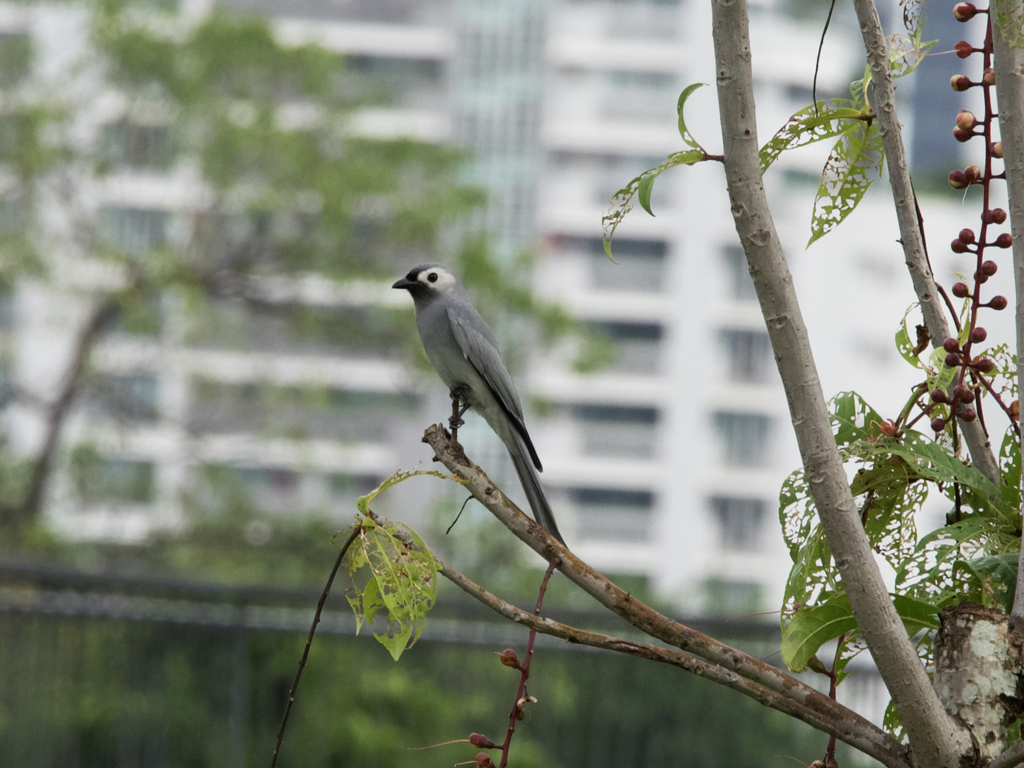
x: 525, y: 667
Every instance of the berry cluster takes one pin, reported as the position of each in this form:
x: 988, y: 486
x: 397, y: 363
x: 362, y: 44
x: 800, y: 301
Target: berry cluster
x: 962, y: 397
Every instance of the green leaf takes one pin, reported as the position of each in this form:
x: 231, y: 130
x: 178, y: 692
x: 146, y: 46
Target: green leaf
x: 363, y: 502
x: 854, y: 164
x: 621, y: 201
x: 398, y: 580
x: 1001, y: 573
x: 683, y: 130
x: 644, y: 191
x: 388, y: 575
x: 906, y: 52
x: 821, y: 120
x: 812, y: 627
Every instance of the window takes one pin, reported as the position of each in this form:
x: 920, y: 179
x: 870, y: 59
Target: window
x: 15, y: 58
x: 613, y: 515
x: 632, y: 95
x: 637, y: 345
x: 611, y: 430
x: 740, y: 521
x: 346, y: 488
x: 726, y: 597
x: 748, y: 353
x: 135, y: 145
x: 744, y: 438
x: 740, y: 285
x: 103, y: 479
x: 640, y: 263
x: 298, y: 413
x: 128, y: 396
x: 134, y: 230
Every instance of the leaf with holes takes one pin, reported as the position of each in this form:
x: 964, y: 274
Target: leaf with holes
x: 820, y: 121
x: 999, y: 574
x: 812, y: 627
x: 640, y: 187
x: 855, y: 163
x: 386, y: 575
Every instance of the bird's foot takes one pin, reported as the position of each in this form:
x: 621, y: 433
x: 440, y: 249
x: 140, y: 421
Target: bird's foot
x: 458, y: 394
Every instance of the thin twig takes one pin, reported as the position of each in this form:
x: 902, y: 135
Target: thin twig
x: 517, y: 705
x: 309, y: 640
x: 817, y: 60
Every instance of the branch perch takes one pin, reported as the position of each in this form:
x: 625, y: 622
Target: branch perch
x: 703, y: 655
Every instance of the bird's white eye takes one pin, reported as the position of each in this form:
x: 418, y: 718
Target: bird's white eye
x: 432, y: 277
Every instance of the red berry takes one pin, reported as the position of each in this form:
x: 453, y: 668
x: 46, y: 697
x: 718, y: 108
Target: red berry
x: 973, y: 173
x: 938, y: 424
x: 960, y: 392
x: 964, y: 11
x: 952, y: 360
x: 997, y: 149
x: 939, y: 396
x: 978, y: 335
x: 967, y: 235
x: 509, y: 659
x: 968, y: 395
x: 483, y: 761
x: 989, y: 267
x: 998, y: 302
x: 998, y: 215
x: 957, y: 180
x: 958, y: 246
x: 989, y: 78
x: 980, y: 278
x: 480, y: 741
x: 961, y: 135
x: 968, y: 414
x: 965, y: 120
x: 1004, y: 240
x: 984, y: 364
x: 959, y: 83
x: 963, y: 49
x: 961, y: 291
x: 951, y: 345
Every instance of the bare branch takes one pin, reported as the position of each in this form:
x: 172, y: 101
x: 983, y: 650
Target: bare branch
x: 865, y: 737
x: 647, y: 620
x: 937, y: 740
x: 1009, y: 67
x: 30, y: 506
x: 907, y: 215
x: 1014, y: 756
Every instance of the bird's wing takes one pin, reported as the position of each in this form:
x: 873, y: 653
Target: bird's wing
x: 478, y: 346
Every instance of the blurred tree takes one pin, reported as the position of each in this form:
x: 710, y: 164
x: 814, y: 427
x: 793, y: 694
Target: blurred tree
x: 191, y: 179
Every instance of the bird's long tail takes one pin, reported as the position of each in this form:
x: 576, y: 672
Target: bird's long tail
x: 530, y: 480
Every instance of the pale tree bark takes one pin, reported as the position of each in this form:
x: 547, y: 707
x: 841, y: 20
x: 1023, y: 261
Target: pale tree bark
x: 1009, y: 66
x: 936, y: 739
x: 907, y: 215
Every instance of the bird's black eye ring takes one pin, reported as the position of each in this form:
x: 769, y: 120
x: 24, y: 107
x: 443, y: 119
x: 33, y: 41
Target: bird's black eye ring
x: 432, y: 277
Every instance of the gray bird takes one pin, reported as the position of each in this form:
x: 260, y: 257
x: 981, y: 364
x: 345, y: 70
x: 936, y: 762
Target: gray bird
x: 465, y: 355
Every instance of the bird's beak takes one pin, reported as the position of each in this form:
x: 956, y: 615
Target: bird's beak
x: 404, y: 283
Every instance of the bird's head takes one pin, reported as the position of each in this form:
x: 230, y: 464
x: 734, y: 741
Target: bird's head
x: 428, y: 280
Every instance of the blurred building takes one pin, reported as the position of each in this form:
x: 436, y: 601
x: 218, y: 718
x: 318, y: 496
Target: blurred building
x: 666, y: 464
